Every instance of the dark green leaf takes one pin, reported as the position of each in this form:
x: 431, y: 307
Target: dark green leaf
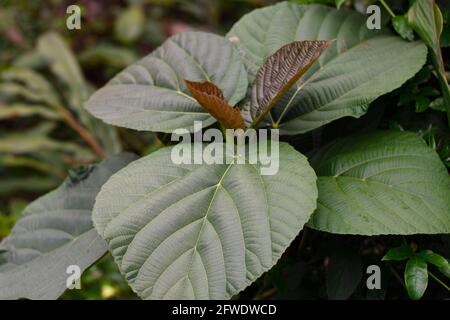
x: 339, y: 3
x: 433, y: 258
x: 151, y: 94
x: 422, y: 103
x: 280, y: 71
x: 398, y: 254
x: 416, y: 277
x: 438, y: 104
x: 426, y: 19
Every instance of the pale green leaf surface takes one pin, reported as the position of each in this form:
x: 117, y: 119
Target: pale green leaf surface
x: 53, y: 233
x: 63, y: 64
x: 434, y: 258
x: 386, y: 182
x: 202, y: 231
x: 151, y: 94
x: 34, y: 84
x: 359, y: 67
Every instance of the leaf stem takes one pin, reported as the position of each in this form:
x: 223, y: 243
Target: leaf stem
x: 439, y: 281
x: 388, y: 9
x: 84, y: 134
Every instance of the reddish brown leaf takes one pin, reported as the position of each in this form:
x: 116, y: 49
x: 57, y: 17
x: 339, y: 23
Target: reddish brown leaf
x: 212, y: 100
x: 280, y: 71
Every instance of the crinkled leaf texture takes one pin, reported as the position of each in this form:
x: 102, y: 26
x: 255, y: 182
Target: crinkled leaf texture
x: 151, y: 94
x: 55, y: 232
x: 212, y: 100
x: 202, y: 231
x: 281, y: 70
x: 386, y: 182
x: 359, y: 67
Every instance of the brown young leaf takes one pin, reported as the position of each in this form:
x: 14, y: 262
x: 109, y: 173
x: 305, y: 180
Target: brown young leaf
x: 280, y: 71
x: 212, y: 100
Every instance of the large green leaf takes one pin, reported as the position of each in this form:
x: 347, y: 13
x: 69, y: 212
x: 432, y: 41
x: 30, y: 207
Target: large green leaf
x: 202, y: 231
x: 416, y: 277
x: 151, y: 94
x: 360, y: 66
x: 55, y: 232
x: 386, y: 182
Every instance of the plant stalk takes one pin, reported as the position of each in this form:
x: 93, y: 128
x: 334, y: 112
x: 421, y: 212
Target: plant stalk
x: 84, y: 134
x: 439, y: 281
x: 388, y: 9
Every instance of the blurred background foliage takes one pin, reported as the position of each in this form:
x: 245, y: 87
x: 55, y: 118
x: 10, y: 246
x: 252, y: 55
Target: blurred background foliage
x: 47, y: 71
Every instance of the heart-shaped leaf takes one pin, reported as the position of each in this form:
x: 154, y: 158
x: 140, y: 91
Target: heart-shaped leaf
x: 212, y: 100
x: 357, y: 68
x: 151, y: 94
x: 385, y: 182
x: 54, y: 233
x: 64, y: 65
x: 202, y: 231
x: 280, y: 71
